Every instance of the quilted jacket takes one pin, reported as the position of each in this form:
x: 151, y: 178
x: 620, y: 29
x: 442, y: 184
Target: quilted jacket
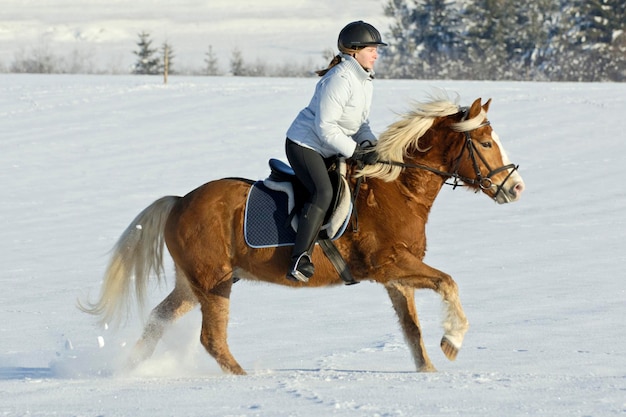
x: 336, y: 119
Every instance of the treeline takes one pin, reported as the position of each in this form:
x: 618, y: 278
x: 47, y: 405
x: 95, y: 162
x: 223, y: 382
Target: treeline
x: 544, y: 40
x: 152, y: 60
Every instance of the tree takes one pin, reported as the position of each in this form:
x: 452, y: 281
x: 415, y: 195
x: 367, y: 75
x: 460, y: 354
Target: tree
x: 601, y: 23
x: 440, y: 37
x: 617, y: 71
x: 589, y: 45
x: 211, y: 67
x: 146, y: 63
x: 597, y: 20
x: 488, y: 33
x: 167, y: 57
x: 236, y: 63
x: 425, y: 39
x: 399, y: 57
x: 40, y: 60
x: 576, y: 40
x: 508, y: 40
x: 531, y: 28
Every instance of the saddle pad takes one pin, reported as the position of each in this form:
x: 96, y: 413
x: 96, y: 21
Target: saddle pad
x: 266, y: 218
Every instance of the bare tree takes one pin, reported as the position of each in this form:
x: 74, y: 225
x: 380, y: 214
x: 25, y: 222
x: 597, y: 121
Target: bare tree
x: 39, y: 60
x: 167, y: 55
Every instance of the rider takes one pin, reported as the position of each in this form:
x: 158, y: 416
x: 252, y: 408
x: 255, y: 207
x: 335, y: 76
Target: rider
x: 334, y: 123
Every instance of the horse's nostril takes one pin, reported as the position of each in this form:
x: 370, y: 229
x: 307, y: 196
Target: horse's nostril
x: 519, y: 188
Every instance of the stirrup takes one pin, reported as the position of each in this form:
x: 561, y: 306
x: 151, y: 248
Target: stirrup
x: 307, y: 269
x: 297, y: 276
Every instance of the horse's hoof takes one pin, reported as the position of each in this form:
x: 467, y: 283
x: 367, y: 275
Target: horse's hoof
x: 449, y: 349
x: 427, y: 368
x: 235, y: 370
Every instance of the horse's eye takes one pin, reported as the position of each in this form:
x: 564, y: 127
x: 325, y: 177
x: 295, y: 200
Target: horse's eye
x: 486, y: 144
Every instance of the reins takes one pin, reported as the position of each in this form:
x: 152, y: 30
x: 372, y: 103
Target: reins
x: 483, y: 182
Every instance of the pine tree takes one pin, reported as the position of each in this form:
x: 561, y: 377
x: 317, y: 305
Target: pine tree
x: 438, y: 20
x: 617, y: 70
x: 211, y: 62
x: 236, y: 63
x: 603, y: 22
x: 561, y: 40
x: 590, y: 43
x: 534, y: 26
x: 597, y: 20
x: 146, y: 63
x: 399, y: 57
x: 424, y: 39
x: 488, y: 34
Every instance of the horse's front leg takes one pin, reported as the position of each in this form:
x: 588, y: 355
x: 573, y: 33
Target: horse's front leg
x: 416, y: 274
x: 403, y: 301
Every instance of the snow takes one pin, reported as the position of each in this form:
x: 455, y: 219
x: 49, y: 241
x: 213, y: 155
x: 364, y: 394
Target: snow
x: 541, y: 280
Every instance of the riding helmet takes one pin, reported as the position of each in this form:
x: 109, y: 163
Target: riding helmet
x: 358, y: 35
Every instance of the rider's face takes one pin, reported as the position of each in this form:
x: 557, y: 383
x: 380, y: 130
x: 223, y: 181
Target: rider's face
x: 367, y: 57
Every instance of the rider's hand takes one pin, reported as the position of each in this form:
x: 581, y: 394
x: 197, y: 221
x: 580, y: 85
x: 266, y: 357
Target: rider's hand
x: 365, y: 154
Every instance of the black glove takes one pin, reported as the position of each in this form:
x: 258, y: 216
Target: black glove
x: 365, y: 154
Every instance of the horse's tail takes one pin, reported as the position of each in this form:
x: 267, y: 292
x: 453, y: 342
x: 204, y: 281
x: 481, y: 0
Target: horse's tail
x: 137, y: 254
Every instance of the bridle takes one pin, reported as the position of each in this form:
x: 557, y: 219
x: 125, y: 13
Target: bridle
x: 483, y: 182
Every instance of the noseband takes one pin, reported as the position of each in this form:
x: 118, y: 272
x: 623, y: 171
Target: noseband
x: 483, y: 182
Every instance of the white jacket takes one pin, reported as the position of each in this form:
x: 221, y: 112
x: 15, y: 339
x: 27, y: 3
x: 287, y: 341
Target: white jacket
x: 336, y: 119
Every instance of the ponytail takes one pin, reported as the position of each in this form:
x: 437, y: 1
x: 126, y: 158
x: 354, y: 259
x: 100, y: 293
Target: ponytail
x: 336, y: 60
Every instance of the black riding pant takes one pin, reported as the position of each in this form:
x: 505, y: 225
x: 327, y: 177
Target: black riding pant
x: 312, y: 170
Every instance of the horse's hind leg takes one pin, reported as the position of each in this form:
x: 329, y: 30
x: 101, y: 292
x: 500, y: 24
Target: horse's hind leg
x: 179, y: 302
x: 403, y: 301
x: 215, y: 310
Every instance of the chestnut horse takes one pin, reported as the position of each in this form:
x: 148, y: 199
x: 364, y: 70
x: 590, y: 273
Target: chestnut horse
x: 435, y: 142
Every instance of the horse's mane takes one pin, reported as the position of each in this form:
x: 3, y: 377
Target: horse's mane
x: 405, y: 133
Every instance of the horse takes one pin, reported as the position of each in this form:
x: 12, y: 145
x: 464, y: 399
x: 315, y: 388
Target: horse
x: 437, y: 141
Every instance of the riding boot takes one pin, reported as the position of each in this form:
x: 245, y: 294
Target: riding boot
x: 309, y: 226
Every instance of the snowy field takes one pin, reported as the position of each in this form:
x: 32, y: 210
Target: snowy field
x: 542, y: 280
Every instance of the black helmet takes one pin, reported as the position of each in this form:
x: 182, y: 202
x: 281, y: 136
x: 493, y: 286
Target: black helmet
x: 357, y: 35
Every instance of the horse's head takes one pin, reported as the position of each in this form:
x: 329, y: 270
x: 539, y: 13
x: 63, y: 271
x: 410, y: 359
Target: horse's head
x: 452, y: 142
x: 482, y: 162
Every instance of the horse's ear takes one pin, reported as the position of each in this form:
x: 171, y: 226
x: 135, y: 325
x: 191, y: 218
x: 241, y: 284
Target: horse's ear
x: 474, y: 109
x: 486, y: 106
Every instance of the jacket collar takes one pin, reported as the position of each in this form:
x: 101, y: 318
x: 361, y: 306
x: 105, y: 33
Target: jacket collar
x: 356, y: 68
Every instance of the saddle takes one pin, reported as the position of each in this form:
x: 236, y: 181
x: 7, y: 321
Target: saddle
x: 282, y: 177
x: 273, y: 204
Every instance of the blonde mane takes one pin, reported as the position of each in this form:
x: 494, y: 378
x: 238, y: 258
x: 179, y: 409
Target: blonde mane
x: 394, y: 142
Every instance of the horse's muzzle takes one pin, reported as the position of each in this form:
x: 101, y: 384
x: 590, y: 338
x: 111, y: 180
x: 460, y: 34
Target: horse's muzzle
x: 510, y: 191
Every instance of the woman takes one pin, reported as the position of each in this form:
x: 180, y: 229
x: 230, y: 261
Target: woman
x: 335, y: 123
